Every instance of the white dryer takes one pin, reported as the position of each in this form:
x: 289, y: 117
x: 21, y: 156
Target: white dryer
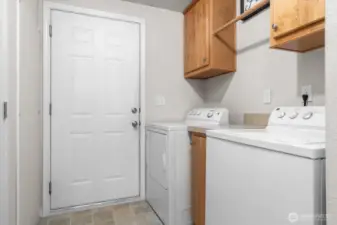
x: 168, y: 173
x: 274, y: 176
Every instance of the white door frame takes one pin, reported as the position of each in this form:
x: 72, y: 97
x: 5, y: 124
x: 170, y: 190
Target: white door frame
x: 48, y: 7
x: 3, y: 142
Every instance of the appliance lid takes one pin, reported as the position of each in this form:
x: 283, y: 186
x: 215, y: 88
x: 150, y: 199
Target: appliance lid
x: 167, y: 126
x: 300, y: 142
x: 182, y: 126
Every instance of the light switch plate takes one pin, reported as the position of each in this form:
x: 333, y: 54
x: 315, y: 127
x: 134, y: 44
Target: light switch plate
x: 160, y: 100
x: 267, y: 96
x: 307, y: 89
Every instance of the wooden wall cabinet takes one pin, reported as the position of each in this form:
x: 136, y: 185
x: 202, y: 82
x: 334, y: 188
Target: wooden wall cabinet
x: 198, y: 178
x: 206, y: 54
x: 297, y: 25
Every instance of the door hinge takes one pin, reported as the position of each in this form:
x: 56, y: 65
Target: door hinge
x: 5, y: 110
x: 49, y: 188
x: 50, y: 30
x: 50, y: 109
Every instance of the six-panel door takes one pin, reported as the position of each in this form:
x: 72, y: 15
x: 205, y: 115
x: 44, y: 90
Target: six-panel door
x: 94, y: 86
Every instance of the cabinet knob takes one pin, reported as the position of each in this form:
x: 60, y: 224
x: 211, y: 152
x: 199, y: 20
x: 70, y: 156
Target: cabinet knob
x: 274, y: 26
x: 204, y: 60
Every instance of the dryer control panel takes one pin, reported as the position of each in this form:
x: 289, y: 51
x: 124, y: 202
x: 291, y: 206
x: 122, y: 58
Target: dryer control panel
x: 217, y: 116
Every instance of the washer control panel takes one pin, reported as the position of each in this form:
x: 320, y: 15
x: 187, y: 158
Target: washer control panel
x: 298, y: 116
x: 217, y: 116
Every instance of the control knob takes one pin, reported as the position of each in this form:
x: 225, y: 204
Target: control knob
x: 293, y: 115
x: 281, y: 115
x: 210, y: 114
x: 308, y: 115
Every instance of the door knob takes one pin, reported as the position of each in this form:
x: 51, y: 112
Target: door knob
x: 274, y: 26
x: 135, y: 124
x: 134, y: 110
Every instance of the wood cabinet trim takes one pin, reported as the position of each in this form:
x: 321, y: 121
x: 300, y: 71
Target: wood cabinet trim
x: 299, y: 28
x: 198, y: 179
x: 313, y: 30
x: 199, y: 134
x: 206, y: 72
x: 190, y: 6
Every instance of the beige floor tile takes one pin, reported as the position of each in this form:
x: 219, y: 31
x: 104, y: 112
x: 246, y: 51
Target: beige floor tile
x: 140, y: 219
x: 124, y: 216
x: 106, y: 223
x: 121, y: 211
x: 139, y: 204
x: 139, y: 213
x: 141, y: 208
x: 120, y: 207
x: 82, y: 218
x: 152, y: 219
x: 59, y: 221
x: 103, y: 215
x: 43, y: 221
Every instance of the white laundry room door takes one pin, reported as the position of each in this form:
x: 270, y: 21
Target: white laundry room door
x: 95, y: 67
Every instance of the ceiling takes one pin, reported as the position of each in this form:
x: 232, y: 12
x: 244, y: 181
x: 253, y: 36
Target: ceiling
x: 174, y: 5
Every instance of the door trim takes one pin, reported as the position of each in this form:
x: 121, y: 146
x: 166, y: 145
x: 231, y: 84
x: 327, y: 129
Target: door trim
x: 48, y: 7
x: 4, y: 161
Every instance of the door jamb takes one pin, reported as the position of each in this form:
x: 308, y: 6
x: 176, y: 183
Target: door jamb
x: 48, y: 7
x: 4, y: 160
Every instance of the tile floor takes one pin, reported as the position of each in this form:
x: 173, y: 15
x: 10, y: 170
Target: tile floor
x: 139, y: 213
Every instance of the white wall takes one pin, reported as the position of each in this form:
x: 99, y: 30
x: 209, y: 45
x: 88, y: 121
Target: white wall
x: 164, y: 57
x: 331, y: 106
x: 30, y: 160
x: 174, y: 5
x: 260, y: 68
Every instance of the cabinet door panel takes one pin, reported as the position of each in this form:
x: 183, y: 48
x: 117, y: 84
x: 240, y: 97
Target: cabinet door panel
x: 194, y: 170
x: 285, y: 15
x: 189, y: 40
x: 311, y: 11
x: 197, y: 37
x: 198, y: 179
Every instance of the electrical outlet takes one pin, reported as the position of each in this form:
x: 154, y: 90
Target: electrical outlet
x: 307, y: 89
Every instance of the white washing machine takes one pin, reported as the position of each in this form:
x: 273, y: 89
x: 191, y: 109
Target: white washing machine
x: 168, y: 150
x: 274, y: 176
